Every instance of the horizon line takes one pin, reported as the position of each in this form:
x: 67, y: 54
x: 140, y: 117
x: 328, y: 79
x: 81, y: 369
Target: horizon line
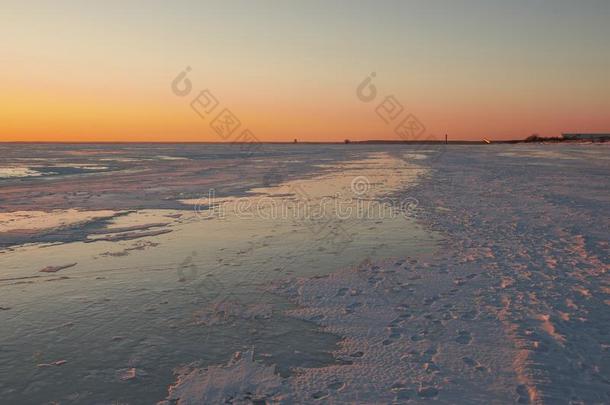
x: 367, y: 141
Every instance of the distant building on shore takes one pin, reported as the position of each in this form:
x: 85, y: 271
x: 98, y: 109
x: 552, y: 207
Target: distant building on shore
x: 586, y: 137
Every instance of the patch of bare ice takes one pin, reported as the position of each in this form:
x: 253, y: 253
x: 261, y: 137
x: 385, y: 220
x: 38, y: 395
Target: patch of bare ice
x: 30, y: 220
x: 55, y: 269
x: 18, y: 171
x: 164, y: 157
x: 127, y: 235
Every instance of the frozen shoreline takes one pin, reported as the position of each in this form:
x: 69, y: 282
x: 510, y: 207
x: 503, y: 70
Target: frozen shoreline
x: 512, y: 308
x: 515, y: 309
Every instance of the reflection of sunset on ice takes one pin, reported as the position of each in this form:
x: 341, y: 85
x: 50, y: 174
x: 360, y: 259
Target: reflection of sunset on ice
x: 502, y: 302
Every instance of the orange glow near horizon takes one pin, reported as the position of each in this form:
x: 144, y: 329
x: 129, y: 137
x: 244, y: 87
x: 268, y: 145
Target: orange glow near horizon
x: 86, y: 116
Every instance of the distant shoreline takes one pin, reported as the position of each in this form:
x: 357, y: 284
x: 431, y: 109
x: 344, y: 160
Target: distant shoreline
x: 366, y: 142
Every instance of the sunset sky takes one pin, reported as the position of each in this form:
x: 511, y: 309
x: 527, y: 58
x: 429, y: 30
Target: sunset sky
x: 79, y: 71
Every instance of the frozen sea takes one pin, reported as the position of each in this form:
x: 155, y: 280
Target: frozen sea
x: 204, y: 273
